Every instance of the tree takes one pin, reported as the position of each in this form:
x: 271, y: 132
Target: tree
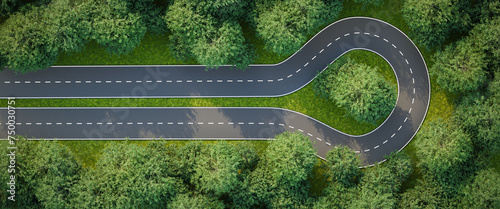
x: 357, y: 88
x: 460, y: 68
x: 225, y: 45
x: 443, y: 150
x: 126, y: 176
x: 343, y: 166
x: 369, y: 2
x: 399, y: 165
x: 7, y: 7
x: 423, y: 195
x: 286, y: 25
x: 28, y: 41
x: 113, y: 27
x: 336, y: 195
x: 280, y: 179
x: 484, y: 192
x: 433, y: 21
x: 485, y: 38
x: 217, y: 170
x: 186, y: 201
x: 377, y: 190
x: 45, y: 171
x: 198, y: 33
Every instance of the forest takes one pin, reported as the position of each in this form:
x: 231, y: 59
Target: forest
x: 453, y: 161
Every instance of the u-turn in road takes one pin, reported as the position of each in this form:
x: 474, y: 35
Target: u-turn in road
x: 226, y: 123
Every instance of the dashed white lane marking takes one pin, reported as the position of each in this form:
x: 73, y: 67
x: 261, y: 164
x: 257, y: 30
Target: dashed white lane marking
x: 180, y: 123
x: 125, y: 81
x: 170, y: 123
x: 400, y: 128
x: 199, y: 81
x: 298, y: 71
x: 169, y: 81
x: 38, y: 124
x: 413, y: 90
x: 118, y: 81
x: 240, y: 123
x: 81, y: 123
x: 300, y: 130
x: 28, y: 123
x: 291, y: 127
x: 150, y: 123
x: 37, y: 82
x: 356, y: 32
x: 309, y: 134
x: 99, y: 123
x: 407, y: 62
x: 401, y: 53
x: 250, y: 123
x: 89, y: 123
x: 260, y: 81
x: 58, y: 123
x: 346, y: 34
x: 271, y: 123
x: 306, y: 64
x: 229, y: 81
x: 393, y: 135
x: 376, y: 147
x: 280, y: 79
x: 27, y: 82
x: 413, y: 80
x: 313, y: 58
x: 209, y: 81
x: 210, y: 123
x: 413, y: 100
x: 240, y: 81
x: 386, y: 40
x: 289, y: 76
x: 159, y: 123
x: 200, y: 123
x: 337, y: 39
x: 394, y: 46
x: 220, y: 123
x: 139, y: 123
x: 356, y: 152
x: 367, y: 150
x: 7, y: 82
x: 108, y: 81
x: 376, y: 35
x: 321, y: 51
x: 270, y: 80
x: 281, y: 124
x: 69, y: 123
x: 367, y: 33
x: 158, y: 81
x: 250, y: 81
x: 384, y: 142
x: 179, y: 81
x: 146, y: 81
x: 138, y: 81
x: 219, y: 81
x: 189, y: 81
x: 57, y: 81
x: 47, y: 81
x: 321, y: 140
x: 48, y: 124
x: 329, y: 44
x: 17, y: 82
x: 230, y: 123
x: 405, y: 119
x: 411, y: 71
x: 409, y: 111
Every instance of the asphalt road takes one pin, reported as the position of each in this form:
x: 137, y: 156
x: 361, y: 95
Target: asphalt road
x: 256, y: 81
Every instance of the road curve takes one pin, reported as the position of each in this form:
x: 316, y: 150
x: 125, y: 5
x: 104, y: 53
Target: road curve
x: 257, y: 81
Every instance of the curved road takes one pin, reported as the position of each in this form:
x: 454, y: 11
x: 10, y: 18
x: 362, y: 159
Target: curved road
x: 226, y: 123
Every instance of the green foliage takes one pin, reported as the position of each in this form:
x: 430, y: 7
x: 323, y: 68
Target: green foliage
x: 377, y: 190
x: 369, y: 2
x: 186, y: 201
x: 357, y: 88
x: 484, y: 192
x: 29, y: 41
x: 460, y: 68
x: 113, y: 27
x: 480, y: 118
x: 336, y: 195
x: 151, y: 14
x: 485, y: 38
x: 198, y: 32
x: 126, y: 176
x: 423, y: 195
x: 45, y: 172
x: 286, y: 25
x: 8, y: 7
x: 444, y: 150
x: 343, y: 166
x: 400, y: 166
x: 433, y: 21
x: 280, y: 179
